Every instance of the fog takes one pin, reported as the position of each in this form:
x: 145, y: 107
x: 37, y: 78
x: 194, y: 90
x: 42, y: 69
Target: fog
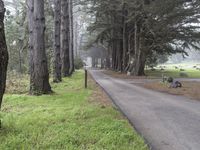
x: 193, y: 57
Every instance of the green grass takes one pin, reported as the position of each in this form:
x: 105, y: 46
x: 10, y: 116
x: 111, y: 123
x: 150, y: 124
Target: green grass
x: 65, y: 120
x: 174, y: 73
x: 169, y: 70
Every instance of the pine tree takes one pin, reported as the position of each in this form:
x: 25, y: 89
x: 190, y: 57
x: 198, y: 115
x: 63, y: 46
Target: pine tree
x: 40, y: 74
x: 135, y: 30
x: 65, y: 35
x: 57, y: 42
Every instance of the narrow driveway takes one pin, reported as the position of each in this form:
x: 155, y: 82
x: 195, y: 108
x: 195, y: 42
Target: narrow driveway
x: 167, y: 122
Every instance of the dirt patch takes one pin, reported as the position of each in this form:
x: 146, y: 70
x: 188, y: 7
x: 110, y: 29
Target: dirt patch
x: 125, y: 76
x: 98, y: 95
x: 189, y: 89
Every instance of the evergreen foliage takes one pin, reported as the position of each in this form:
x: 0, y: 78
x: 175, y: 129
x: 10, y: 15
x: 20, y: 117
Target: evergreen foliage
x: 134, y: 31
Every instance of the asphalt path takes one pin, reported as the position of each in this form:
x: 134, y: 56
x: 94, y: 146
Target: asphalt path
x: 167, y: 122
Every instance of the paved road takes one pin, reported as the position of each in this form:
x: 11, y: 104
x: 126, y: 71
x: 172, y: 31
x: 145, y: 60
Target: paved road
x: 167, y: 122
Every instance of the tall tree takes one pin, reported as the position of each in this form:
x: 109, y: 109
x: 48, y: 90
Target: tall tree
x: 65, y: 35
x: 40, y: 81
x: 71, y: 37
x: 57, y: 46
x: 135, y: 30
x: 30, y: 15
x: 3, y: 54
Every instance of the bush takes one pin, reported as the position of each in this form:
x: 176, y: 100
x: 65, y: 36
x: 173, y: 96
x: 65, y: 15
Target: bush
x: 183, y: 74
x: 78, y: 63
x: 17, y: 83
x: 170, y: 80
x: 176, y: 67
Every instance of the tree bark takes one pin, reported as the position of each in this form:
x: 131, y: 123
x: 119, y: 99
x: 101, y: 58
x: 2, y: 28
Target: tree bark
x: 65, y: 55
x: 76, y: 40
x: 71, y: 37
x: 140, y: 50
x: 125, y: 37
x: 114, y: 60
x: 40, y: 81
x: 119, y: 55
x: 140, y: 64
x: 108, y: 57
x: 57, y: 42
x: 140, y: 55
x: 30, y: 9
x: 3, y: 54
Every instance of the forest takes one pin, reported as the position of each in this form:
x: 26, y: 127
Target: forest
x: 48, y: 40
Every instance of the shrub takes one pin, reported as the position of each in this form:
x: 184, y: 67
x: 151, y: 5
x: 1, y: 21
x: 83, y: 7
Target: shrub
x: 183, y: 74
x: 197, y: 68
x: 170, y: 79
x: 78, y: 63
x: 176, y: 67
x: 17, y: 83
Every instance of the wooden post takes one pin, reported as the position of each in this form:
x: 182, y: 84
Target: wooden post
x: 86, y: 78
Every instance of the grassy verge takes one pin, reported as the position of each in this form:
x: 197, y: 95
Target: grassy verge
x: 65, y: 120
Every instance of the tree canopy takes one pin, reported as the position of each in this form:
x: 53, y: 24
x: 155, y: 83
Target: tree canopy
x: 135, y: 30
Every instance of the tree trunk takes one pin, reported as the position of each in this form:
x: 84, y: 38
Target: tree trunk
x: 140, y: 55
x: 114, y: 55
x: 140, y: 50
x: 93, y: 62
x: 30, y: 9
x: 71, y: 37
x: 96, y: 62
x: 140, y: 64
x: 57, y: 47
x: 119, y: 55
x: 65, y: 38
x: 102, y: 63
x: 136, y: 48
x: 76, y: 39
x: 20, y: 42
x: 125, y: 37
x: 131, y: 45
x: 40, y: 82
x: 3, y: 54
x: 108, y: 58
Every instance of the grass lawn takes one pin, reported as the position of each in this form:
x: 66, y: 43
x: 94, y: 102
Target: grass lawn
x: 191, y: 73
x: 66, y: 120
x: 170, y: 71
